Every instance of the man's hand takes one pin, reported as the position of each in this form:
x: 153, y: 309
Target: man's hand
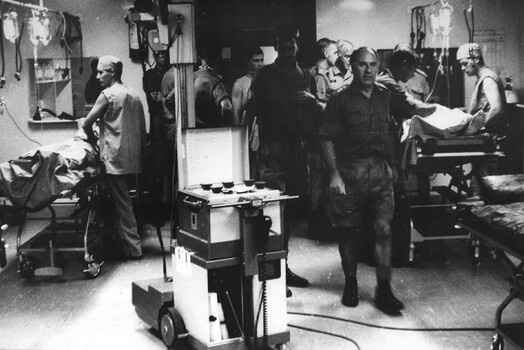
x: 336, y: 184
x: 425, y: 109
x: 156, y: 96
x: 91, y: 137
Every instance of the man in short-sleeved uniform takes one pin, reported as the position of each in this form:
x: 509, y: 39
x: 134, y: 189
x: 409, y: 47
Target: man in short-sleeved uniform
x: 122, y: 142
x: 354, y: 134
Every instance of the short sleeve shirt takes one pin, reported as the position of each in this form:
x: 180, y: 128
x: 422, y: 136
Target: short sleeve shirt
x: 122, y: 131
x: 402, y: 105
x: 357, y: 125
x: 209, y: 92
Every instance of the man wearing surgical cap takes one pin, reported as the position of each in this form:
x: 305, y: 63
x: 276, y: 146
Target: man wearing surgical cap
x: 487, y: 103
x: 122, y: 142
x: 488, y: 95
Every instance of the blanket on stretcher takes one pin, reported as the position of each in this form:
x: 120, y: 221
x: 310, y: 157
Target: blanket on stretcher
x: 508, y: 218
x: 444, y: 123
x: 38, y: 177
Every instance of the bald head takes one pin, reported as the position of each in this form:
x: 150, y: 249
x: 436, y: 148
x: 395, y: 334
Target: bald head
x: 111, y: 63
x: 364, y: 63
x: 361, y: 51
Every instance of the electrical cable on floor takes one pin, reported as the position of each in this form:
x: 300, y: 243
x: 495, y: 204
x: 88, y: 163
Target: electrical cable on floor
x: 19, y: 129
x: 326, y: 333
x: 458, y: 329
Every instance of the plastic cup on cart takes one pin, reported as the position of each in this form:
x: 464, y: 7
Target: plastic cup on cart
x: 206, y: 187
x: 216, y: 188
x: 228, y: 184
x: 260, y: 185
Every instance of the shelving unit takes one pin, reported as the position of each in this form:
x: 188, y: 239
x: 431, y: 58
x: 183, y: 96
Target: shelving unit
x: 51, y: 88
x: 51, y: 121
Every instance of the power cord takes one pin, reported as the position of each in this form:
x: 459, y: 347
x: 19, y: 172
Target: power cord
x: 4, y: 106
x: 326, y: 333
x: 370, y: 325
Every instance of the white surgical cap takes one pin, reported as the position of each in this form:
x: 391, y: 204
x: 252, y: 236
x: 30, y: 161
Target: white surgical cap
x: 111, y: 62
x: 470, y: 50
x: 107, y: 62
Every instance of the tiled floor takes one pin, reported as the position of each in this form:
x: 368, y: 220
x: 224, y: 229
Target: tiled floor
x: 449, y: 304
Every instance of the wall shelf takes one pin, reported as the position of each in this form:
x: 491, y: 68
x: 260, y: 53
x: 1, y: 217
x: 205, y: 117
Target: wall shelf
x: 52, y: 121
x: 52, y: 81
x: 51, y: 87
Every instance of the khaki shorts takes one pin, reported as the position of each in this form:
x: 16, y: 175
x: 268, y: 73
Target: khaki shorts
x: 369, y: 193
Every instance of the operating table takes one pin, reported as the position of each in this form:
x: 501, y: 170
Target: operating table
x: 65, y: 173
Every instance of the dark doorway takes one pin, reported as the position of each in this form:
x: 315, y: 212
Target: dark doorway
x: 235, y: 24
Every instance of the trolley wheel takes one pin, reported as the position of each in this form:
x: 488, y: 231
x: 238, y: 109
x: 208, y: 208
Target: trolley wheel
x: 473, y: 250
x: 171, y: 327
x: 412, y: 259
x: 26, y: 266
x: 92, y: 269
x: 497, y: 343
x: 3, y: 255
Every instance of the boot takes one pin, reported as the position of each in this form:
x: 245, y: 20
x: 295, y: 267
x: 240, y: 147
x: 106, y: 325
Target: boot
x: 293, y: 280
x: 350, y: 296
x: 385, y: 301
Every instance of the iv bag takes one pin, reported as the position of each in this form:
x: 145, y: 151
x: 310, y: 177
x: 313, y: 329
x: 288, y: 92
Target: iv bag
x: 434, y: 24
x: 38, y: 28
x: 45, y: 32
x: 10, y: 26
x: 33, y: 28
x: 446, y: 19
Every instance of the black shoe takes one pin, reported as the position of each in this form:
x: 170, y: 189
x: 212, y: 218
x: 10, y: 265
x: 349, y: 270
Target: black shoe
x: 293, y: 280
x: 350, y: 296
x: 386, y: 302
x: 288, y: 293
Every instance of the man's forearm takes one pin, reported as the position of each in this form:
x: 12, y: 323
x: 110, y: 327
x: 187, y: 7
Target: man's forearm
x: 492, y: 117
x: 328, y: 151
x: 424, y: 109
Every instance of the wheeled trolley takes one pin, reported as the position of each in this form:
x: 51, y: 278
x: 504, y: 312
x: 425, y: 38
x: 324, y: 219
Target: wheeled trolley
x: 228, y: 287
x: 59, y: 235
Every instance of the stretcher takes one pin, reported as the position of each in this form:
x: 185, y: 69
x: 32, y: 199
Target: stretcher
x: 60, y: 174
x: 436, y: 220
x: 500, y: 223
x: 437, y: 145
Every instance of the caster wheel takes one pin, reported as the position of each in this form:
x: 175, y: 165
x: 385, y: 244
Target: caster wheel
x: 475, y: 261
x: 26, y: 267
x: 172, y: 328
x: 93, y: 269
x: 3, y: 255
x: 497, y: 343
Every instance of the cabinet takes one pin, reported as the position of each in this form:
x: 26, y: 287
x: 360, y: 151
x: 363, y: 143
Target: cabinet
x: 51, y: 88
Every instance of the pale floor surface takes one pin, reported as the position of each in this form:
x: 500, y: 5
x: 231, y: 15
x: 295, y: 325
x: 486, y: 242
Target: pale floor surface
x: 449, y: 304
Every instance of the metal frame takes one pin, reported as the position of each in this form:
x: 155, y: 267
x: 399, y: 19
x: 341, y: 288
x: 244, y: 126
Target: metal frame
x: 513, y: 332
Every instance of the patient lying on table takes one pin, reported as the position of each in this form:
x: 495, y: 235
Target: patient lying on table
x: 444, y: 123
x: 38, y: 177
